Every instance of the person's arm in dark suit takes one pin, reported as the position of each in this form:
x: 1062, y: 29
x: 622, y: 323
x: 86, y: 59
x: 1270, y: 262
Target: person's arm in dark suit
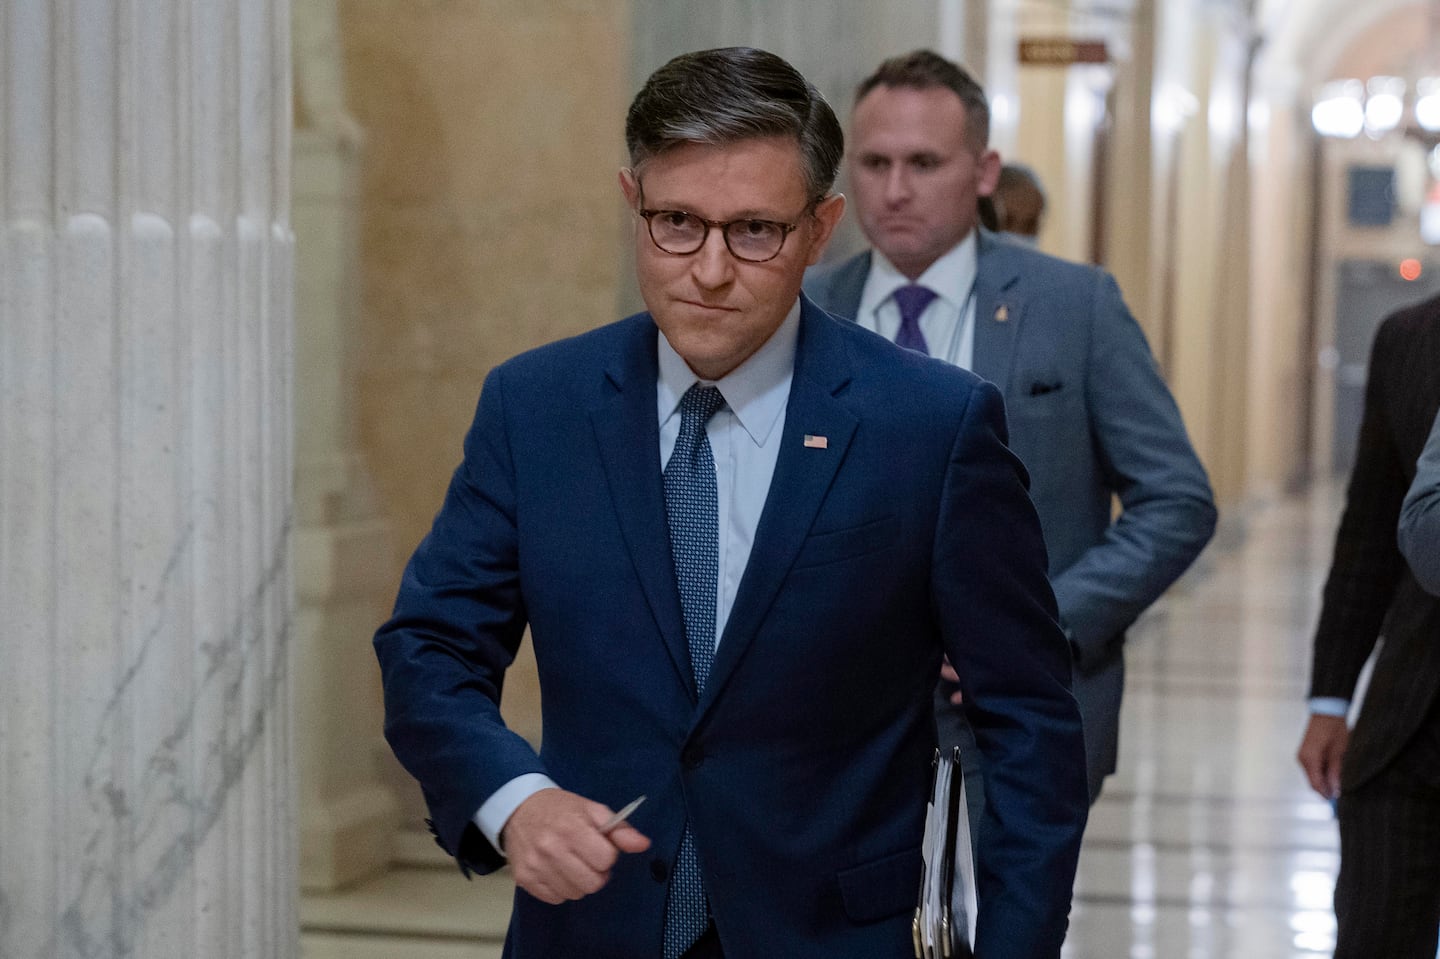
x: 1168, y: 510
x: 1364, y: 574
x: 998, y: 620
x: 457, y: 625
x: 1419, y: 532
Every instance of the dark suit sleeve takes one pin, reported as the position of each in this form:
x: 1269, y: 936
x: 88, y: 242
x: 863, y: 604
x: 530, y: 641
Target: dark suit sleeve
x: 997, y: 617
x: 1168, y: 510
x: 1367, y: 565
x: 457, y: 624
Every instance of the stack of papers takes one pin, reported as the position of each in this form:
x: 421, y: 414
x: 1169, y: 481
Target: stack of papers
x: 944, y: 926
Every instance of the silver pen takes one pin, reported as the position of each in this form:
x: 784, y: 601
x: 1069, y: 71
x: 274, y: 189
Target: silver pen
x: 622, y: 815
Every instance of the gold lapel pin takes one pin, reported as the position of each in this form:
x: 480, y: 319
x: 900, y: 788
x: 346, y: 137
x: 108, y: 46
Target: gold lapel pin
x: 1002, y: 313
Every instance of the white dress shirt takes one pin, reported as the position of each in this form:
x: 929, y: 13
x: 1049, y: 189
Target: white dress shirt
x: 745, y: 442
x: 948, y: 322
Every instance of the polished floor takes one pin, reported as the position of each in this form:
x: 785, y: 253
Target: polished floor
x: 1206, y: 845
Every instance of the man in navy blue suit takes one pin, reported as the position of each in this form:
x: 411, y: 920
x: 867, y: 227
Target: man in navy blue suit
x: 1089, y: 414
x: 742, y: 534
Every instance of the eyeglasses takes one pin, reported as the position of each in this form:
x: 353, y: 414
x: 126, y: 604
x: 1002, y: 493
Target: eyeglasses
x: 754, y: 241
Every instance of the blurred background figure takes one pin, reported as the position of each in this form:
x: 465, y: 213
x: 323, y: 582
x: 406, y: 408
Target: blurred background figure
x: 1019, y: 202
x: 1385, y: 773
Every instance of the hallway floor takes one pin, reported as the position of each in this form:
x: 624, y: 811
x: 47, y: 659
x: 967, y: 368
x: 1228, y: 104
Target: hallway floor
x: 1206, y: 845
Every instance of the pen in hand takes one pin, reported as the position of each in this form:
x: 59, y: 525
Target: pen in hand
x: 621, y: 816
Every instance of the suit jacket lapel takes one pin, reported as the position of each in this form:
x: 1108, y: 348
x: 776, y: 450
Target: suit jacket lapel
x: 627, y: 430
x: 803, y: 475
x: 998, y: 311
x: 850, y: 285
x: 838, y: 288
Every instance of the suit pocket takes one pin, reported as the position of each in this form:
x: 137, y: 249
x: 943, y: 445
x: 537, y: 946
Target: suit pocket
x: 1041, y: 402
x: 836, y: 545
x: 881, y: 888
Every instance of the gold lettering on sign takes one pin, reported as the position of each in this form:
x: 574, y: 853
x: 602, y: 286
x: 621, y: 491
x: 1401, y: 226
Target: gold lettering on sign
x: 1062, y: 52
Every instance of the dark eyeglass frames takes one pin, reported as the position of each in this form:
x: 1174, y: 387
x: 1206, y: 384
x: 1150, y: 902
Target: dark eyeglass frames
x: 755, y: 241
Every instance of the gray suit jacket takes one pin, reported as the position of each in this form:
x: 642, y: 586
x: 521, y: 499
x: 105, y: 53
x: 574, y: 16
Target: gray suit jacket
x: 1089, y: 416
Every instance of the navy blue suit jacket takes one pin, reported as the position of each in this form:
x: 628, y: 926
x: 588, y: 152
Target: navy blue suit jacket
x: 803, y: 769
x: 1092, y: 419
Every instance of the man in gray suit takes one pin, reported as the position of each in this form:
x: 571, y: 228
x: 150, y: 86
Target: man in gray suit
x: 1088, y: 412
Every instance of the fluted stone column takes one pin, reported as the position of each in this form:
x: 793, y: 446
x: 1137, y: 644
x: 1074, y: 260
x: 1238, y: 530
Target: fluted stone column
x: 145, y: 466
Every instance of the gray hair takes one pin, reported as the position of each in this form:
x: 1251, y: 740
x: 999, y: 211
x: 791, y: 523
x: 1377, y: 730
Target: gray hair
x: 732, y: 94
x: 924, y: 69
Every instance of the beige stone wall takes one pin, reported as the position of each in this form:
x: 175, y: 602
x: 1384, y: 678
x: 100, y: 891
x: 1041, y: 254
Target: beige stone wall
x: 1196, y: 262
x: 489, y: 215
x: 489, y: 210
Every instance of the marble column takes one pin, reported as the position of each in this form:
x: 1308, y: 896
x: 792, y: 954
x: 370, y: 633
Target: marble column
x: 145, y: 471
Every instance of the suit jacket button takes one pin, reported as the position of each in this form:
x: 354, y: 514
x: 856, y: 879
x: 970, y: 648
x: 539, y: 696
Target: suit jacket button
x: 659, y: 871
x: 692, y: 756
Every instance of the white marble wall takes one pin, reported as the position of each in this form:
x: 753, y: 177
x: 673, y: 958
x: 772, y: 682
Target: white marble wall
x: 145, y: 465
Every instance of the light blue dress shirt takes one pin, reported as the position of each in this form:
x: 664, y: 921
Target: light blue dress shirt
x: 745, y: 442
x: 948, y: 322
x: 1419, y: 532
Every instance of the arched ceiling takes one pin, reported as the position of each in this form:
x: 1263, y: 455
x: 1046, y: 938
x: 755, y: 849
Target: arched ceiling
x: 1316, y: 40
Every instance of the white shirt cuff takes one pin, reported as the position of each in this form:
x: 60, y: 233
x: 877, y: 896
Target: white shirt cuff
x: 1329, y: 706
x: 495, y: 812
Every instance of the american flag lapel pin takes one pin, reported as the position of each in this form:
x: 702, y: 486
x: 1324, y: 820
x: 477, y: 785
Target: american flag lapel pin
x: 816, y: 442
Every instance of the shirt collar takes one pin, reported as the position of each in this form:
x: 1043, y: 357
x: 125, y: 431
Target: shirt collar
x: 950, y: 277
x: 756, y: 391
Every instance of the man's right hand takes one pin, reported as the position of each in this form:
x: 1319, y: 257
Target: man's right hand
x: 556, y: 849
x: 1322, y: 750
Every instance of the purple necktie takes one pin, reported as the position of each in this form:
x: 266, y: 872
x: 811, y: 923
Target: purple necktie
x: 912, y: 301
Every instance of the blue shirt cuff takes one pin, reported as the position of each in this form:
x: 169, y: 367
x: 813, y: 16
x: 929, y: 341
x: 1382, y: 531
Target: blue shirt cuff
x: 1329, y: 706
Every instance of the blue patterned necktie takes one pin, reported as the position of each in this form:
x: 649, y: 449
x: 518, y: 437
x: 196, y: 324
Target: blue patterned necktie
x: 912, y: 301
x: 692, y: 509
